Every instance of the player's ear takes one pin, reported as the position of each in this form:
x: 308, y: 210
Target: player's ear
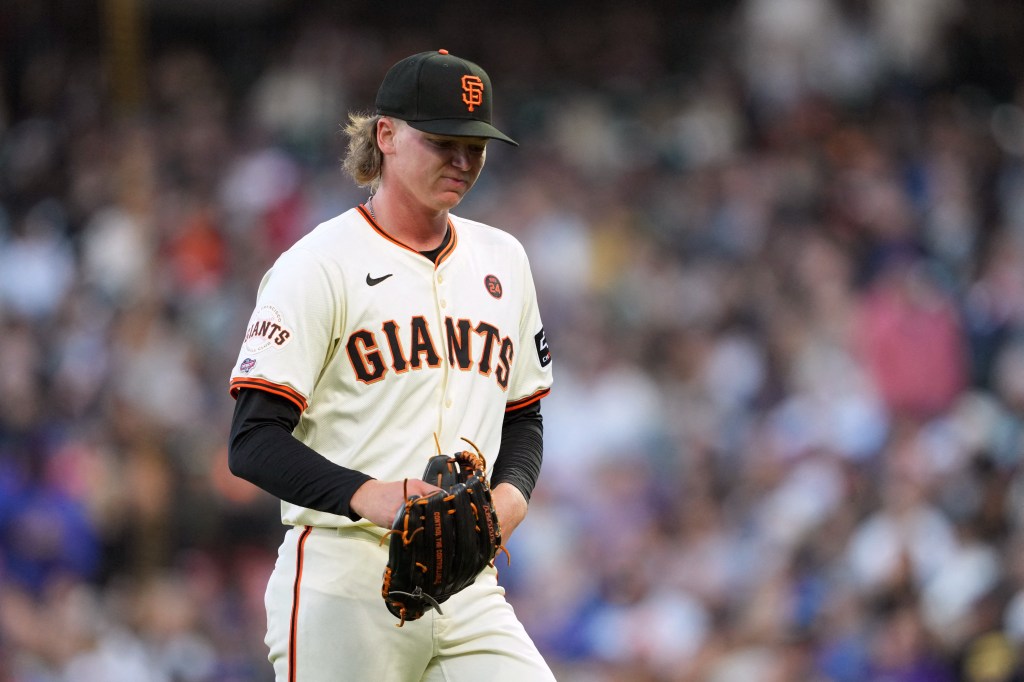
x: 387, y: 129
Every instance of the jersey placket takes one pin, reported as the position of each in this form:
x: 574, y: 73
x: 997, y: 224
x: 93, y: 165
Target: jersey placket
x: 442, y: 303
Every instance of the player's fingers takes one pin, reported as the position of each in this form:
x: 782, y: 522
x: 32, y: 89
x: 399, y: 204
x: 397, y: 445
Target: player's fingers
x: 418, y: 487
x: 379, y: 501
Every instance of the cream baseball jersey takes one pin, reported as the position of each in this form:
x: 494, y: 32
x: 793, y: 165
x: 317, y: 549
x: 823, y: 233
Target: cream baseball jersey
x: 382, y: 349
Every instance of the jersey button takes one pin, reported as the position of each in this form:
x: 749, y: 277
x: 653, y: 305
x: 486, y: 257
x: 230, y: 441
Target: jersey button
x: 440, y: 278
x: 444, y: 303
x: 448, y: 402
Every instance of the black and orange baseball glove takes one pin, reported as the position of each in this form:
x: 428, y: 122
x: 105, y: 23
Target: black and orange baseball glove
x: 440, y: 542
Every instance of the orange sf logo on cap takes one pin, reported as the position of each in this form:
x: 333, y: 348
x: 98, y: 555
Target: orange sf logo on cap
x: 472, y: 91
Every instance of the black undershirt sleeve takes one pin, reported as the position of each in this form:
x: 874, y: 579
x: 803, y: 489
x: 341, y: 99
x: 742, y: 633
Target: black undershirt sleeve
x: 263, y: 451
x: 522, y: 449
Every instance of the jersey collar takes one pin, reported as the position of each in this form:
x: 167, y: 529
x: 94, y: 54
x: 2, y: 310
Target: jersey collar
x: 446, y: 249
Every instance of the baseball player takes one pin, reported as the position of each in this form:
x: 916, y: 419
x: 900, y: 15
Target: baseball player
x: 385, y: 333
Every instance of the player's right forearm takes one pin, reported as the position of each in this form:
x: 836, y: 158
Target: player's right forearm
x: 262, y: 450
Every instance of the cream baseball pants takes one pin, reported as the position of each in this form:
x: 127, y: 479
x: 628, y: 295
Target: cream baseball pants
x: 327, y: 622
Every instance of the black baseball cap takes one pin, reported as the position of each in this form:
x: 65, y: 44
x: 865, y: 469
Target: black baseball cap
x: 440, y: 93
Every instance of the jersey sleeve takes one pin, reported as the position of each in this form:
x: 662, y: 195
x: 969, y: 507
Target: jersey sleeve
x: 291, y: 330
x: 532, y: 372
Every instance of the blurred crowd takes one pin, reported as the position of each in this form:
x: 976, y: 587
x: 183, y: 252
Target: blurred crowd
x: 779, y: 247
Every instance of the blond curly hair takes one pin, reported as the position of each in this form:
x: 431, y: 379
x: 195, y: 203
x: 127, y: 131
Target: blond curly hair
x: 363, y: 158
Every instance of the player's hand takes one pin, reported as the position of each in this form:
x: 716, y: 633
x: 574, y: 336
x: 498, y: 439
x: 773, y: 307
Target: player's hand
x: 378, y: 501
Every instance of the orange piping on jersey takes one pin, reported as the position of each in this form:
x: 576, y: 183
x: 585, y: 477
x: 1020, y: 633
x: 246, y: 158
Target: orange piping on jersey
x: 366, y: 213
x: 448, y: 249
x: 293, y: 629
x: 528, y: 400
x: 270, y: 387
x: 380, y: 230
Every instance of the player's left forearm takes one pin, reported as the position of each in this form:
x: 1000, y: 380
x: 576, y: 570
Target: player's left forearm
x: 511, y: 507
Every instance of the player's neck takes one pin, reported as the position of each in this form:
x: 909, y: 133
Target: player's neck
x: 419, y: 228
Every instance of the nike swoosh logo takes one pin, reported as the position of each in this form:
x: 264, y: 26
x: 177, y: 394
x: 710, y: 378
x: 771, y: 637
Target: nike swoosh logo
x: 374, y: 281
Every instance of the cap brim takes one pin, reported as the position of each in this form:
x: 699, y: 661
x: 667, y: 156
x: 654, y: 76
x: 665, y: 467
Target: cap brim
x: 462, y: 128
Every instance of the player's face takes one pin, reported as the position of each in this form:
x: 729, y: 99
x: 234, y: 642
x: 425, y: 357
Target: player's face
x: 437, y: 170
